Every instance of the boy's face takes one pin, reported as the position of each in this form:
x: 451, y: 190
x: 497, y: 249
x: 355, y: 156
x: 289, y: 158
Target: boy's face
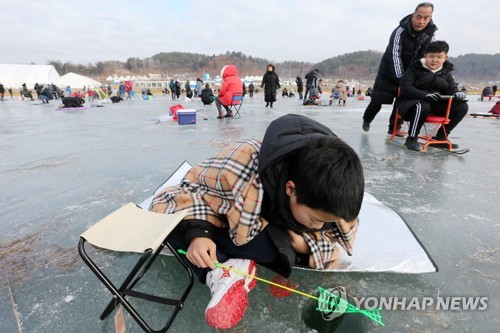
x: 435, y: 60
x: 308, y: 217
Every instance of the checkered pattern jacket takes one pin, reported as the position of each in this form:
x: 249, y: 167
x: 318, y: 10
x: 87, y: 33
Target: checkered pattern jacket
x: 226, y: 191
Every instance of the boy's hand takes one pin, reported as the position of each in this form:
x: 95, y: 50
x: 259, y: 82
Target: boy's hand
x: 459, y: 95
x: 201, y: 252
x: 299, y: 244
x: 433, y: 97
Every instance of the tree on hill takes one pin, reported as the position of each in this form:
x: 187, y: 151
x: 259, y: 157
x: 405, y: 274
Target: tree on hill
x: 362, y: 65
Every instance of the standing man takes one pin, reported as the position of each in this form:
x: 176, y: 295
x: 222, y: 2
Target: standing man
x: 407, y: 42
x: 311, y: 82
x: 300, y: 86
x: 2, y: 92
x: 251, y: 88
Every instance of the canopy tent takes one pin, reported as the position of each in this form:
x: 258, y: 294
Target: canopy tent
x: 14, y: 75
x: 76, y: 81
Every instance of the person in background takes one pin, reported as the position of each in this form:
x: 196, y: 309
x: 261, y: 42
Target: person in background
x: 47, y: 93
x: 339, y: 90
x: 270, y: 83
x: 171, y: 85
x: 300, y: 86
x: 121, y: 90
x: 26, y: 93
x: 38, y: 90
x: 198, y: 88
x: 2, y: 92
x: 284, y: 92
x: 177, y: 88
x: 487, y: 92
x: 189, y: 92
x: 231, y: 84
x: 251, y: 88
x: 407, y: 43
x: 311, y: 82
x: 72, y: 102
x: 207, y: 95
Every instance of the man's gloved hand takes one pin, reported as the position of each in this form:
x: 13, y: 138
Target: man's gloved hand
x: 459, y: 95
x: 433, y: 97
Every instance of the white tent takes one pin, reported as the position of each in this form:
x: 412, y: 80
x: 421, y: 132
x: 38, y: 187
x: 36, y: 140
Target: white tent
x: 14, y: 75
x: 76, y: 81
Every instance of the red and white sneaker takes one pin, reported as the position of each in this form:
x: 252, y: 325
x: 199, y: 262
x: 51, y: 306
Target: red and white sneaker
x: 229, y: 292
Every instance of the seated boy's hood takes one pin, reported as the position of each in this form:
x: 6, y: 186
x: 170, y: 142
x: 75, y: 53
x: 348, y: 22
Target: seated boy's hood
x: 284, y: 137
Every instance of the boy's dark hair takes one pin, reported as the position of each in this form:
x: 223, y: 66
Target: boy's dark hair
x: 437, y: 46
x: 328, y: 176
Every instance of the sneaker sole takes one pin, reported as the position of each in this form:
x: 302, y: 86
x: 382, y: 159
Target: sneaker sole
x: 236, y: 298
x: 230, y: 309
x: 252, y: 269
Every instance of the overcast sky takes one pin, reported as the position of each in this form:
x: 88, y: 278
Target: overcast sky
x: 88, y: 31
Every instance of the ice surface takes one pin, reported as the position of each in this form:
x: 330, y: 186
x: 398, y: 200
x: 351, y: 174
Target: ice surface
x: 60, y: 172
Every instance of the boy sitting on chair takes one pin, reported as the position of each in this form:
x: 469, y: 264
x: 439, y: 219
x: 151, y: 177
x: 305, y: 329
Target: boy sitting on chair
x: 286, y: 200
x: 422, y: 85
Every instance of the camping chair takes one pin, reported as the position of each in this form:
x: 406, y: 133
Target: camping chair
x: 434, y: 121
x: 132, y: 229
x: 437, y: 122
x: 235, y: 106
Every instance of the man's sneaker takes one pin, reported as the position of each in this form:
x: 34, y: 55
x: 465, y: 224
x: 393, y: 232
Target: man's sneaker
x: 366, y: 126
x: 229, y: 292
x: 412, y: 143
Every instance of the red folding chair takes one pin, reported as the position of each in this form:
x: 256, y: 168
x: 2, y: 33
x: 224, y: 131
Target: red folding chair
x: 431, y: 126
x: 436, y: 122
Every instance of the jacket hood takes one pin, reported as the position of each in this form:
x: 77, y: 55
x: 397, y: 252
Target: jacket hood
x: 284, y: 137
x: 288, y: 134
x: 229, y: 70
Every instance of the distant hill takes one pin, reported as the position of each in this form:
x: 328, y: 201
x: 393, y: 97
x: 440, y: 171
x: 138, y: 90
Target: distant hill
x: 361, y: 65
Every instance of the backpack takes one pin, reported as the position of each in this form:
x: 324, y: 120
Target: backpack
x: 336, y: 94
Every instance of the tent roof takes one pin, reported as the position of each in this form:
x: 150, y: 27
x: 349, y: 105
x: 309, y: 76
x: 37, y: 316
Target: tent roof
x: 76, y: 81
x: 14, y: 75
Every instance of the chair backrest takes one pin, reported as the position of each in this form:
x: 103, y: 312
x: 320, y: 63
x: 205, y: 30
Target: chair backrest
x: 448, y: 107
x: 237, y: 99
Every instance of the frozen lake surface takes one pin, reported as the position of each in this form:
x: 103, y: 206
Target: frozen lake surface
x: 61, y: 171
